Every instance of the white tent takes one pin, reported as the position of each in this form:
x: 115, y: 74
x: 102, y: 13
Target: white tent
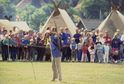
x: 59, y: 18
x: 20, y: 25
x: 6, y: 24
x: 114, y: 21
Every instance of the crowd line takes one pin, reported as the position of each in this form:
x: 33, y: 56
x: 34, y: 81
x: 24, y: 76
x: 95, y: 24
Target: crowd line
x: 83, y: 46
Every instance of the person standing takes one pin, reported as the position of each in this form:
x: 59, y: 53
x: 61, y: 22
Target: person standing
x: 107, y: 51
x: 100, y: 51
x: 84, y: 52
x: 40, y: 47
x: 66, y: 45
x: 64, y: 39
x: 2, y: 38
x: 91, y: 50
x: 26, y: 43
x: 5, y: 49
x: 13, y: 47
x: 116, y: 45
x: 107, y: 38
x: 56, y: 55
x: 73, y: 47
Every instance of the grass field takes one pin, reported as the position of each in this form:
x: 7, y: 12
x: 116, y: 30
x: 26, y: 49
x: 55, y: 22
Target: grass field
x: 73, y: 73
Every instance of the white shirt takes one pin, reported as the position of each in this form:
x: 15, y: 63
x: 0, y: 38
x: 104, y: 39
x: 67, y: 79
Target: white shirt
x: 91, y: 51
x: 122, y: 37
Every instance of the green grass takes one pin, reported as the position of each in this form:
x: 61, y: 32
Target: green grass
x: 73, y: 73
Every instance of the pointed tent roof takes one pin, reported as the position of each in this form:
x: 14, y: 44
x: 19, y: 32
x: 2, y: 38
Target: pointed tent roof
x: 113, y: 22
x: 59, y: 18
x: 21, y: 25
x: 81, y: 24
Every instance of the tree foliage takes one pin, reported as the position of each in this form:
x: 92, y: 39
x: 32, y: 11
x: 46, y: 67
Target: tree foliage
x: 92, y: 8
x: 7, y: 9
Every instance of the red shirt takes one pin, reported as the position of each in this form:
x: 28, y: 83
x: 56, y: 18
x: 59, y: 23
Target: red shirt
x: 18, y: 41
x: 85, y: 49
x: 108, y: 39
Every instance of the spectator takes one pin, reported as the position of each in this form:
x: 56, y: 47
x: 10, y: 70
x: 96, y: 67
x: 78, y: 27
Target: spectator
x: 91, y: 50
x: 100, y: 51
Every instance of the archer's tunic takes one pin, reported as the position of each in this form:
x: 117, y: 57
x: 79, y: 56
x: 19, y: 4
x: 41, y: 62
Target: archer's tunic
x: 55, y: 51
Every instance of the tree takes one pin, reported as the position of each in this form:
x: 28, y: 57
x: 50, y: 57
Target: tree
x: 38, y: 18
x: 35, y: 16
x: 92, y: 8
x: 7, y: 9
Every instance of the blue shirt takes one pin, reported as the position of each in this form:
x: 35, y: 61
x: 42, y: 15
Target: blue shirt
x: 94, y: 38
x: 64, y: 37
x: 73, y: 45
x: 116, y: 43
x: 55, y: 51
x: 25, y: 42
x: 77, y: 37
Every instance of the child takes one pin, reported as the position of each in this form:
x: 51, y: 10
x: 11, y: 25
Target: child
x: 91, y: 50
x: 25, y: 43
x: 79, y: 51
x: 73, y: 47
x: 84, y: 52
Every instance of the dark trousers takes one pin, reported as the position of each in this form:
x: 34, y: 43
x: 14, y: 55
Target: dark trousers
x: 40, y: 53
x: 25, y: 53
x: 5, y: 52
x: 66, y: 53
x: 96, y: 58
x: 13, y: 52
x: 19, y: 53
x: 73, y: 54
x: 31, y: 53
x: 47, y: 54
